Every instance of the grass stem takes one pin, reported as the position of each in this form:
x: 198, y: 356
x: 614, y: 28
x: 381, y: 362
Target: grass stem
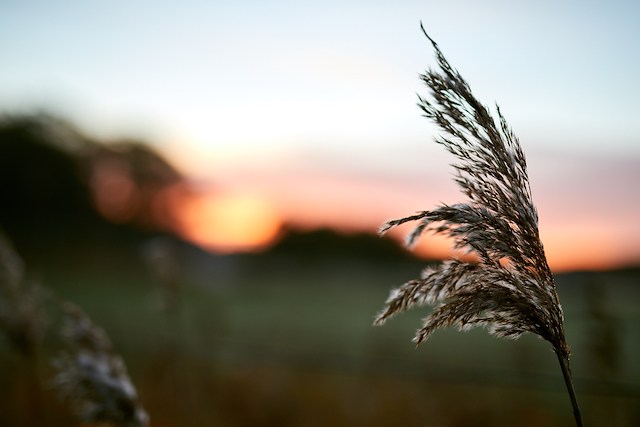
x: 566, y: 373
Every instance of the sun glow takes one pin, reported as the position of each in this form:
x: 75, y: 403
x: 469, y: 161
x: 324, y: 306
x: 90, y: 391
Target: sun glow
x: 228, y: 222
x: 581, y: 246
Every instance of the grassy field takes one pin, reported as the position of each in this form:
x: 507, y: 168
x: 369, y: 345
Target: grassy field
x: 265, y: 345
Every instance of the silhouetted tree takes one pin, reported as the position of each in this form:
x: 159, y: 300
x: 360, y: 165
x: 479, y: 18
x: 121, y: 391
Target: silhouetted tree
x: 45, y: 202
x: 57, y: 186
x: 128, y: 179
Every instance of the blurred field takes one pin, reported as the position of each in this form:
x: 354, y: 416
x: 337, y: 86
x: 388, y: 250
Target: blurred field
x: 260, y: 341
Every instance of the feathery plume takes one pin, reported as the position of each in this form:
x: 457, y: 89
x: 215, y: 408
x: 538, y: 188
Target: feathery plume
x: 22, y: 302
x: 23, y: 320
x: 510, y: 289
x: 93, y: 377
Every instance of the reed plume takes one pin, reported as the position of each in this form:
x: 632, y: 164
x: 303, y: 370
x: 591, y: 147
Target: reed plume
x: 22, y: 303
x: 23, y: 321
x: 510, y: 289
x: 93, y: 377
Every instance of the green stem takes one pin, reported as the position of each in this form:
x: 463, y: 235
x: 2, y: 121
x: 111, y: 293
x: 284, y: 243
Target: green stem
x: 566, y: 373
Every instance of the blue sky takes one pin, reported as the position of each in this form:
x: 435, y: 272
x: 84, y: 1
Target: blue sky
x: 235, y: 90
x: 273, y: 75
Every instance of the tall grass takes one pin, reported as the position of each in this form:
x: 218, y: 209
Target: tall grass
x: 510, y: 289
x: 23, y: 321
x: 90, y: 374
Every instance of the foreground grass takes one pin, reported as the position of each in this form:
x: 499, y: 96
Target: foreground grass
x: 283, y: 347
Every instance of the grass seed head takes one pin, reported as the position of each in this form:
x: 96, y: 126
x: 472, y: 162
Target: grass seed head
x: 93, y: 377
x: 510, y: 289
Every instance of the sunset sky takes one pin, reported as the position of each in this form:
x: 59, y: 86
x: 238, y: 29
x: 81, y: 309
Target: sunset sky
x: 305, y: 111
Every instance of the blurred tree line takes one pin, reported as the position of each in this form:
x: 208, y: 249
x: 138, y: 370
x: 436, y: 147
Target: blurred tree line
x: 70, y: 201
x: 66, y: 197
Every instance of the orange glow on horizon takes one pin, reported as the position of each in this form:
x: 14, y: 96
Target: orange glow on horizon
x: 568, y: 248
x: 581, y: 247
x: 251, y: 219
x: 227, y: 222
x: 566, y: 251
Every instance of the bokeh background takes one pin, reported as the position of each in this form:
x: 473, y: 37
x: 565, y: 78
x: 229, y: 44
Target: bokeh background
x: 206, y: 181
